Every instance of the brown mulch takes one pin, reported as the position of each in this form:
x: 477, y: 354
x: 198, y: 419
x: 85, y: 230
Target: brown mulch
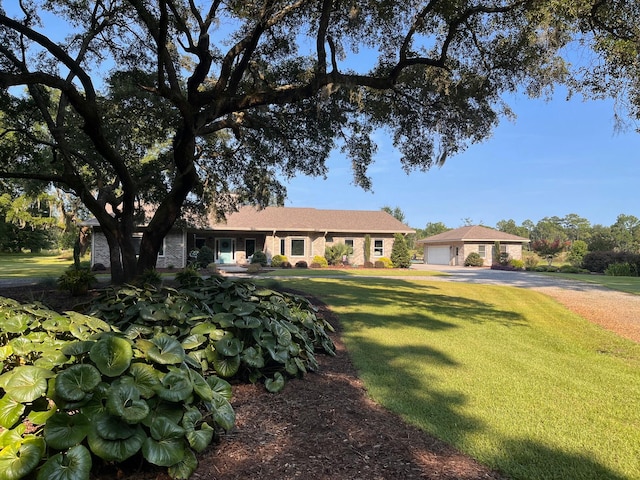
x: 325, y: 426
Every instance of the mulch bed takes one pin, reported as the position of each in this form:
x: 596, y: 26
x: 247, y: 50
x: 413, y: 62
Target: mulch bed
x: 323, y: 426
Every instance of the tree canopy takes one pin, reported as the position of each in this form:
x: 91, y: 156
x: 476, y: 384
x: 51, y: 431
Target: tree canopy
x: 182, y: 104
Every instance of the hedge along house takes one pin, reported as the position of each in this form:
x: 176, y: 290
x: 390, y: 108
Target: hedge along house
x: 297, y: 233
x: 454, y: 246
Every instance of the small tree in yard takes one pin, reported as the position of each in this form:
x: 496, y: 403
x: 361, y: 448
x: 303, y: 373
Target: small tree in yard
x: 548, y: 249
x: 336, y: 254
x: 400, y: 256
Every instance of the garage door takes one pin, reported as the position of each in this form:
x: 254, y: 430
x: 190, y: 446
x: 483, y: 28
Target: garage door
x: 438, y: 255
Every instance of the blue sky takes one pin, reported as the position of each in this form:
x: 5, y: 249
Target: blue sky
x: 558, y: 157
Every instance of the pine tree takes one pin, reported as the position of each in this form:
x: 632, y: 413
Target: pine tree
x: 400, y: 256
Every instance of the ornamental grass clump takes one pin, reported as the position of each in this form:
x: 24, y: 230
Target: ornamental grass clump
x: 142, y: 373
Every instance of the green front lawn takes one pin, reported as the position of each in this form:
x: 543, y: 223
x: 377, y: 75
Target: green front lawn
x: 624, y: 284
x: 353, y: 272
x: 506, y: 375
x: 30, y: 265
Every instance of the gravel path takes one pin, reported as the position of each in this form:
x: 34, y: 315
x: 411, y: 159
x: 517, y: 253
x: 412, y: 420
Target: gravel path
x: 613, y: 310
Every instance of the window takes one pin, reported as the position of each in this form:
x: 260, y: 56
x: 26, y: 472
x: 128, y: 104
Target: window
x: 282, y: 245
x: 297, y: 247
x: 378, y: 248
x: 482, y: 250
x: 250, y: 246
x: 349, y: 243
x: 503, y: 249
x: 137, y: 240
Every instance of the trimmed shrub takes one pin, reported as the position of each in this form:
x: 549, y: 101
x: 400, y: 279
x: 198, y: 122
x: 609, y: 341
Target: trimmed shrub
x: 598, y: 262
x: 205, y: 257
x: 301, y: 264
x: 319, y: 262
x: 260, y: 258
x: 76, y: 280
x: 278, y: 260
x: 624, y: 269
x: 368, y: 265
x: 285, y: 265
x: 474, y: 260
x: 383, y: 262
x: 531, y: 262
x: 571, y: 269
x: 517, y: 264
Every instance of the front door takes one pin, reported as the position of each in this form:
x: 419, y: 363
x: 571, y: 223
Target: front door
x: 225, y: 250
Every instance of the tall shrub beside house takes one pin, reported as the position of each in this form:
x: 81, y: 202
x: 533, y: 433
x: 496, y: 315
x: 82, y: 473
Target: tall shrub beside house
x: 367, y: 250
x: 400, y: 257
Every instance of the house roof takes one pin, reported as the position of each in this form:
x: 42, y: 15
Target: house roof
x: 312, y: 220
x: 474, y: 233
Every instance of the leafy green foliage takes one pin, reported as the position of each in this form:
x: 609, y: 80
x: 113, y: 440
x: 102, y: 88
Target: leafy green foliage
x: 383, y: 262
x: 205, y: 257
x: 260, y: 258
x: 337, y: 253
x: 400, y: 256
x: 319, y: 262
x: 623, y: 269
x: 278, y: 260
x: 474, y: 260
x: 141, y: 372
x: 76, y: 280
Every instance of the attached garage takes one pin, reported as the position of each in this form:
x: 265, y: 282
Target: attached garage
x: 438, y: 255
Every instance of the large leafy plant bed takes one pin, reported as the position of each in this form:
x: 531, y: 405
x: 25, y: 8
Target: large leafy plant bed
x: 142, y: 373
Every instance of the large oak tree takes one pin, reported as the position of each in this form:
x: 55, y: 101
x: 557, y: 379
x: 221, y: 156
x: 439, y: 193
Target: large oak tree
x: 184, y: 103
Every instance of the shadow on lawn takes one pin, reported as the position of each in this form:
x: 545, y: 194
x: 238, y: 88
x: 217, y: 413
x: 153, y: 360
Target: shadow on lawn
x: 415, y: 395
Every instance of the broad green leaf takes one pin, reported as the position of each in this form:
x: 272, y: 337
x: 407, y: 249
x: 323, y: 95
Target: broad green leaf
x: 74, y: 464
x: 136, y: 330
x: 112, y: 355
x: 246, y: 308
x: 191, y: 418
x: 18, y: 460
x: 83, y: 326
x: 75, y: 382
x: 124, y: 401
x: 226, y: 366
x: 204, y: 328
x: 40, y: 417
x: 220, y: 386
x: 21, y: 346
x: 200, y: 439
x: 77, y: 348
x: 116, y: 450
x: 193, y: 341
x: 12, y: 437
x: 224, y: 319
x: 200, y: 386
x: 175, y: 386
x: 283, y: 335
x: 16, y: 323
x: 228, y: 345
x: 63, y: 430
x: 56, y: 324
x: 275, y: 384
x: 253, y: 357
x: 10, y: 412
x: 5, y: 352
x: 145, y: 378
x: 166, y: 350
x: 184, y: 468
x: 163, y: 429
x: 223, y: 413
x: 247, y: 322
x: 111, y: 427
x: 164, y: 453
x: 26, y: 383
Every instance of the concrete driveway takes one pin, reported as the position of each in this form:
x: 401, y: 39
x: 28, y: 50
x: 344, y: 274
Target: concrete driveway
x: 502, y: 277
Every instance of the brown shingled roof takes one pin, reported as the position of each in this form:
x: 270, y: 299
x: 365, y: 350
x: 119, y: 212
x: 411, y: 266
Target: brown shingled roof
x: 312, y: 220
x: 476, y: 233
